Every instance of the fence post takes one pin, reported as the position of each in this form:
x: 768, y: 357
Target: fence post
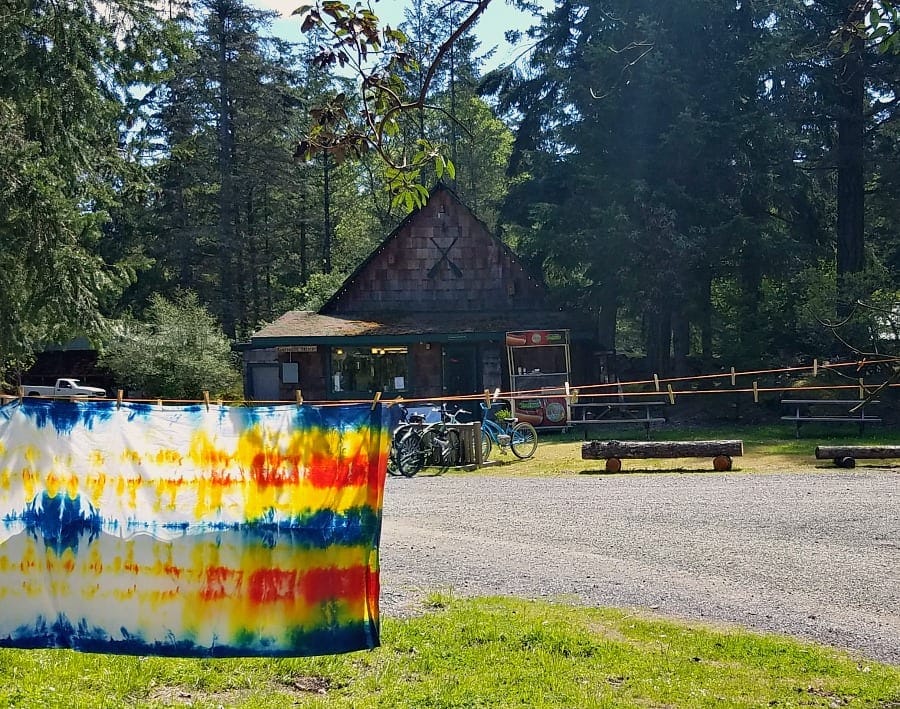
x: 476, y: 443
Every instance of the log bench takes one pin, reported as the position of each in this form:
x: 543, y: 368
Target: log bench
x: 845, y: 456
x: 829, y: 411
x: 614, y: 451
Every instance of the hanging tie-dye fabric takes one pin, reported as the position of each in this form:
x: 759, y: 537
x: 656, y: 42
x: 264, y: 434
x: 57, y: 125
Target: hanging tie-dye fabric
x: 190, y: 531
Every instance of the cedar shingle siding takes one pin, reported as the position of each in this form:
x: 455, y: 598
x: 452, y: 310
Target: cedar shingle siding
x: 441, y: 259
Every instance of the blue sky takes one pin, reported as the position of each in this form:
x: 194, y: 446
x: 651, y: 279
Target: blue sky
x: 497, y: 19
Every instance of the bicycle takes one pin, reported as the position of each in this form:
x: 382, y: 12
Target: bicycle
x: 417, y: 445
x: 519, y: 436
x: 403, y: 456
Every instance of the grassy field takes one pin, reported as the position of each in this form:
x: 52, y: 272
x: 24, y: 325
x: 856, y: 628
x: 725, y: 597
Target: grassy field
x: 481, y: 653
x: 767, y: 449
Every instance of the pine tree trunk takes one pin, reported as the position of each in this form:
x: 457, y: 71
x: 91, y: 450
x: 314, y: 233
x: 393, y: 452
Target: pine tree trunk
x: 706, y: 325
x: 659, y: 341
x: 681, y: 342
x: 850, y: 167
x: 226, y: 186
x: 326, y: 235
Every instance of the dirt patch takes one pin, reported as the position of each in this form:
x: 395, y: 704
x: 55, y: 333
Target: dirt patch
x: 182, y: 696
x: 309, y: 685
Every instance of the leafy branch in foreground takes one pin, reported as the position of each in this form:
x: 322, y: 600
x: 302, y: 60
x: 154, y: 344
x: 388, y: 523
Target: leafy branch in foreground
x: 379, y: 57
x: 876, y: 21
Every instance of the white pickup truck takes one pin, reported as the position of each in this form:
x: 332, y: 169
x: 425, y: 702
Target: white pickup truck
x: 64, y: 388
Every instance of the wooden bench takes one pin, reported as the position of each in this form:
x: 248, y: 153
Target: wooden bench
x: 622, y: 413
x: 810, y: 411
x: 845, y: 456
x: 614, y: 451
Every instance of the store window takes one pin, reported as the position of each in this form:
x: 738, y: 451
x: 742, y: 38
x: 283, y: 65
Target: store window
x: 369, y: 369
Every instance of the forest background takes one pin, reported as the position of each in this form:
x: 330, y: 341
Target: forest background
x: 710, y: 179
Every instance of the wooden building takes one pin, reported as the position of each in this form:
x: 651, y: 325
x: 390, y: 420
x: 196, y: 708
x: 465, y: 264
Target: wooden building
x: 425, y: 315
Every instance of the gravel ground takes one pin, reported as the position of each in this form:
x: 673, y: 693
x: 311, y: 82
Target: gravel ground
x: 815, y: 556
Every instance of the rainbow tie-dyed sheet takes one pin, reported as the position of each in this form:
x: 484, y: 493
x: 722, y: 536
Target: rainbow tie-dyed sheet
x: 190, y: 531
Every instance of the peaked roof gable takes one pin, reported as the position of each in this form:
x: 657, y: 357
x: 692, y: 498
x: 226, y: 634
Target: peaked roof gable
x: 441, y: 257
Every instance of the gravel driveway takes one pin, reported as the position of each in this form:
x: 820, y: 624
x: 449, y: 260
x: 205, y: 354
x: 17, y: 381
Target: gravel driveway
x: 812, y: 555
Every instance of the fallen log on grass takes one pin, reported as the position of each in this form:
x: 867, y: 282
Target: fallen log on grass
x: 845, y: 456
x: 614, y: 451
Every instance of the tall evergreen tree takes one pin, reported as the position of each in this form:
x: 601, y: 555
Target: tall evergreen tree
x: 68, y: 72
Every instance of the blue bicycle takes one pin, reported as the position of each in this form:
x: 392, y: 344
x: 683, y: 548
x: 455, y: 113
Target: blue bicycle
x: 519, y: 436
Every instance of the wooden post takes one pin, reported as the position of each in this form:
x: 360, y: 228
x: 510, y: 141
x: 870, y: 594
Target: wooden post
x: 476, y: 443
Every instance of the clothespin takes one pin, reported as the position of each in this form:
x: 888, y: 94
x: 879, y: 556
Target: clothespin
x: 398, y: 400
x: 206, y: 399
x: 298, y: 395
x: 815, y: 368
x: 21, y: 394
x: 220, y: 402
x: 862, y: 389
x: 574, y: 396
x: 376, y: 400
x: 755, y: 392
x: 656, y: 382
x: 732, y: 376
x: 487, y: 398
x: 568, y: 391
x: 119, y: 394
x: 159, y: 403
x: 671, y: 394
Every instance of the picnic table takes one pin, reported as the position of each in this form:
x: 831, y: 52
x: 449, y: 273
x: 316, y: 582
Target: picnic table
x: 622, y: 413
x: 829, y: 411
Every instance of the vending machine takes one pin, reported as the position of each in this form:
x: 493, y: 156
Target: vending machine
x: 538, y: 373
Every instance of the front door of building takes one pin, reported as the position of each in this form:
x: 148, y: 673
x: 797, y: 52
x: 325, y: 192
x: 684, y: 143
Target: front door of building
x: 460, y: 370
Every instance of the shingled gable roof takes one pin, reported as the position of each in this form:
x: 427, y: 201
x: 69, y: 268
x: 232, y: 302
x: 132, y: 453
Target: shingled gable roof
x: 364, y: 308
x: 331, y: 304
x: 305, y: 325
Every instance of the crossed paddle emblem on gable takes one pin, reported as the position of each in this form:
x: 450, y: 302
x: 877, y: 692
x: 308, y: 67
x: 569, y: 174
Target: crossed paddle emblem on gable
x: 433, y: 271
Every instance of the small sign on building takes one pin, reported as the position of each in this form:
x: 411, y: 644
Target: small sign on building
x: 298, y: 348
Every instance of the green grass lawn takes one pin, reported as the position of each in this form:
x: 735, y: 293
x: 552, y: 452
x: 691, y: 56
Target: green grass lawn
x: 480, y: 653
x: 767, y: 449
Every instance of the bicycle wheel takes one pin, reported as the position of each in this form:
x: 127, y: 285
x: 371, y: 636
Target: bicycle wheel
x: 455, y: 447
x: 392, y: 468
x: 441, y: 447
x: 524, y: 440
x: 410, y: 456
x: 486, y: 445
